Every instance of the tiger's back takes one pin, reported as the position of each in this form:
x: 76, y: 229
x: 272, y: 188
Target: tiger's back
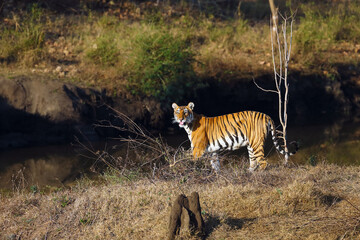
x: 236, y: 130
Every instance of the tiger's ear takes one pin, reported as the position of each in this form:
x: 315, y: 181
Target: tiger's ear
x: 191, y: 105
x: 174, y: 106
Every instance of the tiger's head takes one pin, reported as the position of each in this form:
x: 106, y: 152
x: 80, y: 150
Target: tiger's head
x: 183, y: 115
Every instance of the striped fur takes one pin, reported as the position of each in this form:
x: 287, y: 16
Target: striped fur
x: 228, y: 132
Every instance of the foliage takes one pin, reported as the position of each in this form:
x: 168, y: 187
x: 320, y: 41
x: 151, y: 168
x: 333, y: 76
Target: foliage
x: 34, y: 189
x: 162, y: 67
x: 321, y: 27
x: 64, y: 201
x: 104, y: 51
x: 163, y: 50
x: 25, y: 37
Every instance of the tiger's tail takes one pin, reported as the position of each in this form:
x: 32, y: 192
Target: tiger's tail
x: 276, y: 139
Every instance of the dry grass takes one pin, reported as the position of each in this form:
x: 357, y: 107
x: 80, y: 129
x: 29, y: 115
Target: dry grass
x: 299, y: 202
x: 133, y: 200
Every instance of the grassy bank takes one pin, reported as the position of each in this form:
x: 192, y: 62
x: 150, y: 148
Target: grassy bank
x: 169, y: 51
x: 299, y: 202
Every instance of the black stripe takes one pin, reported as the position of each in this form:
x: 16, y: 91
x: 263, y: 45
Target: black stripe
x: 228, y: 133
x: 222, y: 129
x: 240, y: 125
x: 211, y: 131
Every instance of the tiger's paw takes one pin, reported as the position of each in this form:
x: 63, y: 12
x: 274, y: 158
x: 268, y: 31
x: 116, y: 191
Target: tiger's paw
x: 252, y: 168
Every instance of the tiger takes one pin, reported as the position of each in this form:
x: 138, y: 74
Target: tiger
x: 228, y: 132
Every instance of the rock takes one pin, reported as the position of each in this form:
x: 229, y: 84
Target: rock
x: 58, y: 69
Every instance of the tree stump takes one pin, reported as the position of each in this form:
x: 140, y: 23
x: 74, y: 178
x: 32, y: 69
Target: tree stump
x: 186, y: 213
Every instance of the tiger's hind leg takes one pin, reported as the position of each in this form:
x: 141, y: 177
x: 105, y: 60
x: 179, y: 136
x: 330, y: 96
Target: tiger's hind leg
x: 253, y: 162
x: 256, y: 157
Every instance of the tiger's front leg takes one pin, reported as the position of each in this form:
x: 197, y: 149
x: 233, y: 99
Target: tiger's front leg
x: 198, y: 152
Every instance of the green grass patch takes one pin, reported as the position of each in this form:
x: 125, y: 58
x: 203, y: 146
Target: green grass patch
x: 23, y: 40
x: 320, y: 27
x: 104, y: 51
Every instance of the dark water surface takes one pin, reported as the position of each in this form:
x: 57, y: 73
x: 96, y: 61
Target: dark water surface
x: 337, y: 142
x: 46, y: 165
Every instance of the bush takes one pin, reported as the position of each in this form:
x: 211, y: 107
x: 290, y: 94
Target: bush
x: 162, y: 67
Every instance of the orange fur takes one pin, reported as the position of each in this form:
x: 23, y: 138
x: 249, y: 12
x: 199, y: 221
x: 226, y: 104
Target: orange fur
x: 230, y: 131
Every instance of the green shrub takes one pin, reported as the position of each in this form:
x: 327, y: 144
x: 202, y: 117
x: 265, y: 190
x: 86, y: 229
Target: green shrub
x: 162, y: 67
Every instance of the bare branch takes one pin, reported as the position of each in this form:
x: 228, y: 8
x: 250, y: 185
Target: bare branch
x: 273, y: 56
x: 263, y: 89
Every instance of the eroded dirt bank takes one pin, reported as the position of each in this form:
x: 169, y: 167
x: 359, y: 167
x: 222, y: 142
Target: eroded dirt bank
x: 37, y: 110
